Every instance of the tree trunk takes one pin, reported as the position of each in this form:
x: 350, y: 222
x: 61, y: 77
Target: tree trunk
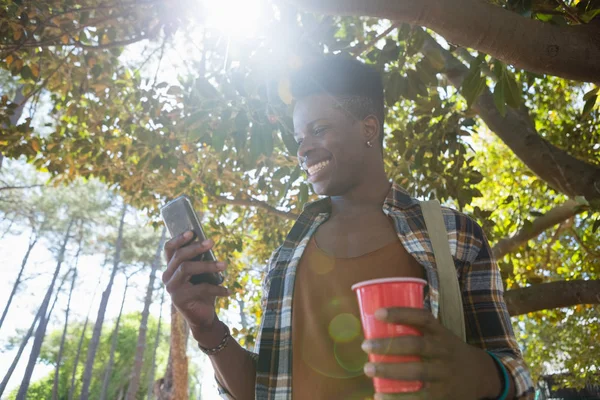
x: 555, y: 166
x: 64, y: 334
x: 174, y: 385
x: 547, y: 296
x: 134, y: 382
x: 179, y: 338
x: 32, y: 241
x: 12, y: 221
x: 156, y: 343
x: 81, y: 338
x: 24, y: 342
x: 553, y: 217
x: 113, y: 347
x: 44, y: 317
x: 93, y: 346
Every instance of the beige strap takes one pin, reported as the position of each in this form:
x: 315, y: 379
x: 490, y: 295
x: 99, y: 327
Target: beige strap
x: 451, y: 307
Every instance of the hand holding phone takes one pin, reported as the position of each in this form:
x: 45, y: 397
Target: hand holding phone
x: 179, y: 217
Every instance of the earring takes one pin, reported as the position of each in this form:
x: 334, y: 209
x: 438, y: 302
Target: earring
x: 369, y: 144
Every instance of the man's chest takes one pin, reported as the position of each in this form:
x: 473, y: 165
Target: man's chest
x: 346, y: 238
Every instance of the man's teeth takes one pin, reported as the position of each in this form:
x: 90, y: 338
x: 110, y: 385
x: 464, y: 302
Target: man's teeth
x: 313, y: 169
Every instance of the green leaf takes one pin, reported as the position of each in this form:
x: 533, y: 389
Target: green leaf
x: 416, y: 87
x: 589, y: 105
x: 468, y: 122
x: 220, y: 134
x: 473, y: 85
x: 175, y: 90
x: 590, y: 94
x: 293, y: 178
x: 498, y: 70
x: 475, y: 177
x: 543, y: 17
x: 303, y: 194
x: 26, y: 72
x: 196, y: 119
x: 395, y: 88
x: 512, y: 92
x: 590, y: 15
x: 205, y: 88
x: 255, y: 144
x: 596, y: 225
x: 261, y: 142
x: 241, y: 121
x: 239, y: 140
x: 499, y: 100
x: 436, y: 59
x: 289, y: 142
x: 281, y: 173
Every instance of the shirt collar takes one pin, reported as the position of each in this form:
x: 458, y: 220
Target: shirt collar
x: 397, y: 197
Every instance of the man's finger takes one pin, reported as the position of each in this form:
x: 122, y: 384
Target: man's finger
x: 420, y: 395
x: 172, y: 245
x: 187, y: 269
x: 424, y: 346
x: 418, y: 318
x: 183, y: 254
x: 407, y: 371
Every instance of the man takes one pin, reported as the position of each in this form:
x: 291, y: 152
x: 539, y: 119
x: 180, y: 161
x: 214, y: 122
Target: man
x: 310, y: 342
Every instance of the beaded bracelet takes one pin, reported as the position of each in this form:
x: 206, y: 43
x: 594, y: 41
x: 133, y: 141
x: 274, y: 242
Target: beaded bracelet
x: 220, y: 346
x: 505, y: 378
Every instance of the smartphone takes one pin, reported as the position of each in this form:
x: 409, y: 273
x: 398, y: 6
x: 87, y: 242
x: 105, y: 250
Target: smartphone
x: 179, y: 217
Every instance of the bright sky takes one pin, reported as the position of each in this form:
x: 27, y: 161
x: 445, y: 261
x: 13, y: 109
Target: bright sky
x: 235, y: 19
x: 12, y: 249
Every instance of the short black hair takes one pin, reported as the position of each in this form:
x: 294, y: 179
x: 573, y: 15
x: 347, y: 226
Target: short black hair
x: 357, y: 86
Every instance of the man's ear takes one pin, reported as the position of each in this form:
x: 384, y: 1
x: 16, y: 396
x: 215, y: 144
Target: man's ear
x: 371, y: 129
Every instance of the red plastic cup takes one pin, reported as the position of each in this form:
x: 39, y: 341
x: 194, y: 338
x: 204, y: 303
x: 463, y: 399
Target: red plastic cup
x: 384, y: 293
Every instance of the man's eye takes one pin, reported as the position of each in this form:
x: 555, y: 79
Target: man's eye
x: 299, y: 142
x: 319, y: 131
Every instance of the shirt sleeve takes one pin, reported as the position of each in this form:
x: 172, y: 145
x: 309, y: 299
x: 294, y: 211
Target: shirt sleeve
x: 223, y: 393
x: 487, y: 320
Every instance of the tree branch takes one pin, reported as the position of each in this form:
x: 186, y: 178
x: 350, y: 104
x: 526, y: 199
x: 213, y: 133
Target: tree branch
x: 539, y: 225
x: 43, y: 85
x: 558, y: 168
x: 547, y: 296
x: 582, y: 244
x: 569, y: 12
x: 362, y: 48
x: 251, y: 202
x: 571, y: 51
x: 118, y: 43
x: 19, y: 187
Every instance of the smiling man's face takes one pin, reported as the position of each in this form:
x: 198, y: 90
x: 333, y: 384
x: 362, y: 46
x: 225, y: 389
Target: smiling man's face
x: 332, y: 145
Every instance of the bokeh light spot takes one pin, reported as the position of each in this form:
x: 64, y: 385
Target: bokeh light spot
x: 344, y: 327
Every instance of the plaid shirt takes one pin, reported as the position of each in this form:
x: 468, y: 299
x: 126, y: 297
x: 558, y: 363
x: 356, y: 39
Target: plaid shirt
x: 486, y: 317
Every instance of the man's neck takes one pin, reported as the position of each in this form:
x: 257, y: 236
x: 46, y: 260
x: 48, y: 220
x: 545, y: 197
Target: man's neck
x: 368, y: 196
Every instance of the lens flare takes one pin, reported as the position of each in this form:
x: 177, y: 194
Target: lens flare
x: 344, y: 328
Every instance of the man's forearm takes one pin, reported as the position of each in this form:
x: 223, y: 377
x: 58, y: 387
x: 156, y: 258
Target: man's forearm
x: 234, y: 367
x: 491, y: 378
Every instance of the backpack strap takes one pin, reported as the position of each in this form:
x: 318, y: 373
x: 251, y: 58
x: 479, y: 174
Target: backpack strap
x: 451, y: 307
